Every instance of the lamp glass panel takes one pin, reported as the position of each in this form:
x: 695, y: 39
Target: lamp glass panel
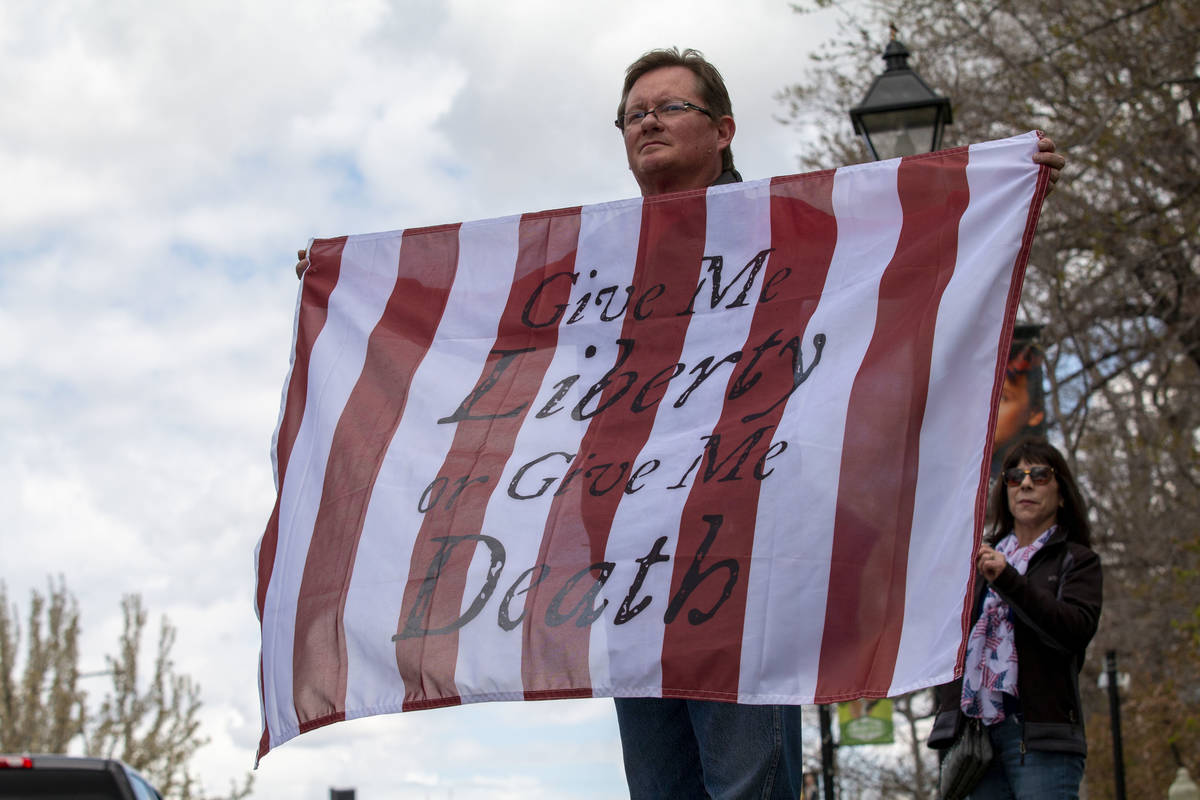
x: 902, y: 133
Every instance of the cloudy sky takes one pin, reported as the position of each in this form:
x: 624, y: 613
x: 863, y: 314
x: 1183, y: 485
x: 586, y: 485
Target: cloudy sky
x: 161, y: 162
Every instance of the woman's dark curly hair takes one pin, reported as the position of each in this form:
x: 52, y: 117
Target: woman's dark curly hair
x: 1072, y: 514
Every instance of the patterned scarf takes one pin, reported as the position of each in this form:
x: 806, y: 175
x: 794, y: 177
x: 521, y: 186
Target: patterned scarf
x: 990, y: 668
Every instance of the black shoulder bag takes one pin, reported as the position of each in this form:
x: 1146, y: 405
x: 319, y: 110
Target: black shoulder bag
x: 966, y: 761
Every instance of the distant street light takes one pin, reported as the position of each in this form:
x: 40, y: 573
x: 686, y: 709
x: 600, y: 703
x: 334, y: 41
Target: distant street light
x: 900, y: 115
x: 1184, y: 788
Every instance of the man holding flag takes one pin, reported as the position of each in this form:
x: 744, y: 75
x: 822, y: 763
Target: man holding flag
x: 677, y: 122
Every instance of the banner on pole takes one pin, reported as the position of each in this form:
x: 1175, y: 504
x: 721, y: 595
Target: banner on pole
x: 865, y: 721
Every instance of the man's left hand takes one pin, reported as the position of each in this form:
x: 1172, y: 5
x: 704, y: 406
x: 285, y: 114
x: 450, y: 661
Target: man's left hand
x: 1046, y: 155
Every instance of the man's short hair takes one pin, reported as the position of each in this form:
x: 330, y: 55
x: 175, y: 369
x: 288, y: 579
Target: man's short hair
x: 713, y: 93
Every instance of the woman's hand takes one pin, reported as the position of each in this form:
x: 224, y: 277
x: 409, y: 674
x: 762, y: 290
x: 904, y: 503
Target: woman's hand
x: 990, y: 562
x: 301, y: 263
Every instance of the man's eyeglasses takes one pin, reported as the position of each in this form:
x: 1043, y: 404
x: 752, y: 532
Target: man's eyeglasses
x: 663, y: 111
x: 1039, y: 475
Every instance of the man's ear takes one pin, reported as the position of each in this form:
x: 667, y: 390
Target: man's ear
x: 725, y: 130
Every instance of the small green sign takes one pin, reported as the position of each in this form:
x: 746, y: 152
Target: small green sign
x: 865, y: 722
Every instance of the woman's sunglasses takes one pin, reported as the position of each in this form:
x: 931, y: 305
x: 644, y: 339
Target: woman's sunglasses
x: 1039, y: 475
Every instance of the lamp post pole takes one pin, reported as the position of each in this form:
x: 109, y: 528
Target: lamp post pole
x: 1114, y: 711
x: 827, y: 764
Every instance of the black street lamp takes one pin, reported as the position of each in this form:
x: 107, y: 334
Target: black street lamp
x: 900, y: 115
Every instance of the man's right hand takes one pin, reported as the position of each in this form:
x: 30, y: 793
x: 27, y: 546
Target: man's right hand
x: 302, y: 263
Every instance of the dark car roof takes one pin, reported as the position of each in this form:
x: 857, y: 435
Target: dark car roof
x: 60, y: 777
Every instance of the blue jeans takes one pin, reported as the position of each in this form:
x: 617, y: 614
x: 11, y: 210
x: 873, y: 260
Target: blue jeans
x: 702, y: 748
x: 1039, y: 775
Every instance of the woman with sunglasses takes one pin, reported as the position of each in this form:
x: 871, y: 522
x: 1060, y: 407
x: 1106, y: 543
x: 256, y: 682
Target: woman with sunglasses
x: 1037, y: 604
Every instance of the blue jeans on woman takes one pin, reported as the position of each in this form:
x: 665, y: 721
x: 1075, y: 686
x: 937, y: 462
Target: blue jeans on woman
x: 1034, y: 775
x: 692, y: 749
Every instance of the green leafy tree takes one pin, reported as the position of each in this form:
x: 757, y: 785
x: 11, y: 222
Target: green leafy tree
x: 152, y: 725
x: 1114, y: 275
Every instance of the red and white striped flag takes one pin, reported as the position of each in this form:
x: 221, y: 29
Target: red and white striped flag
x: 727, y: 444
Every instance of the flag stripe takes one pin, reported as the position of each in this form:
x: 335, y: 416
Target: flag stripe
x: 880, y: 451
x: 557, y: 654
x: 357, y: 301
x: 426, y: 269
x: 802, y: 501
x: 958, y: 425
x: 407, y: 484
x: 312, y: 309
x: 804, y: 235
x: 487, y: 425
x: 705, y: 618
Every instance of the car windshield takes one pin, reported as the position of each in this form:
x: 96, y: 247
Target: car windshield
x: 141, y: 789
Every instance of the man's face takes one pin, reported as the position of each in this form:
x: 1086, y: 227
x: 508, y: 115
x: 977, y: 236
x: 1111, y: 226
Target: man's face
x: 685, y: 151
